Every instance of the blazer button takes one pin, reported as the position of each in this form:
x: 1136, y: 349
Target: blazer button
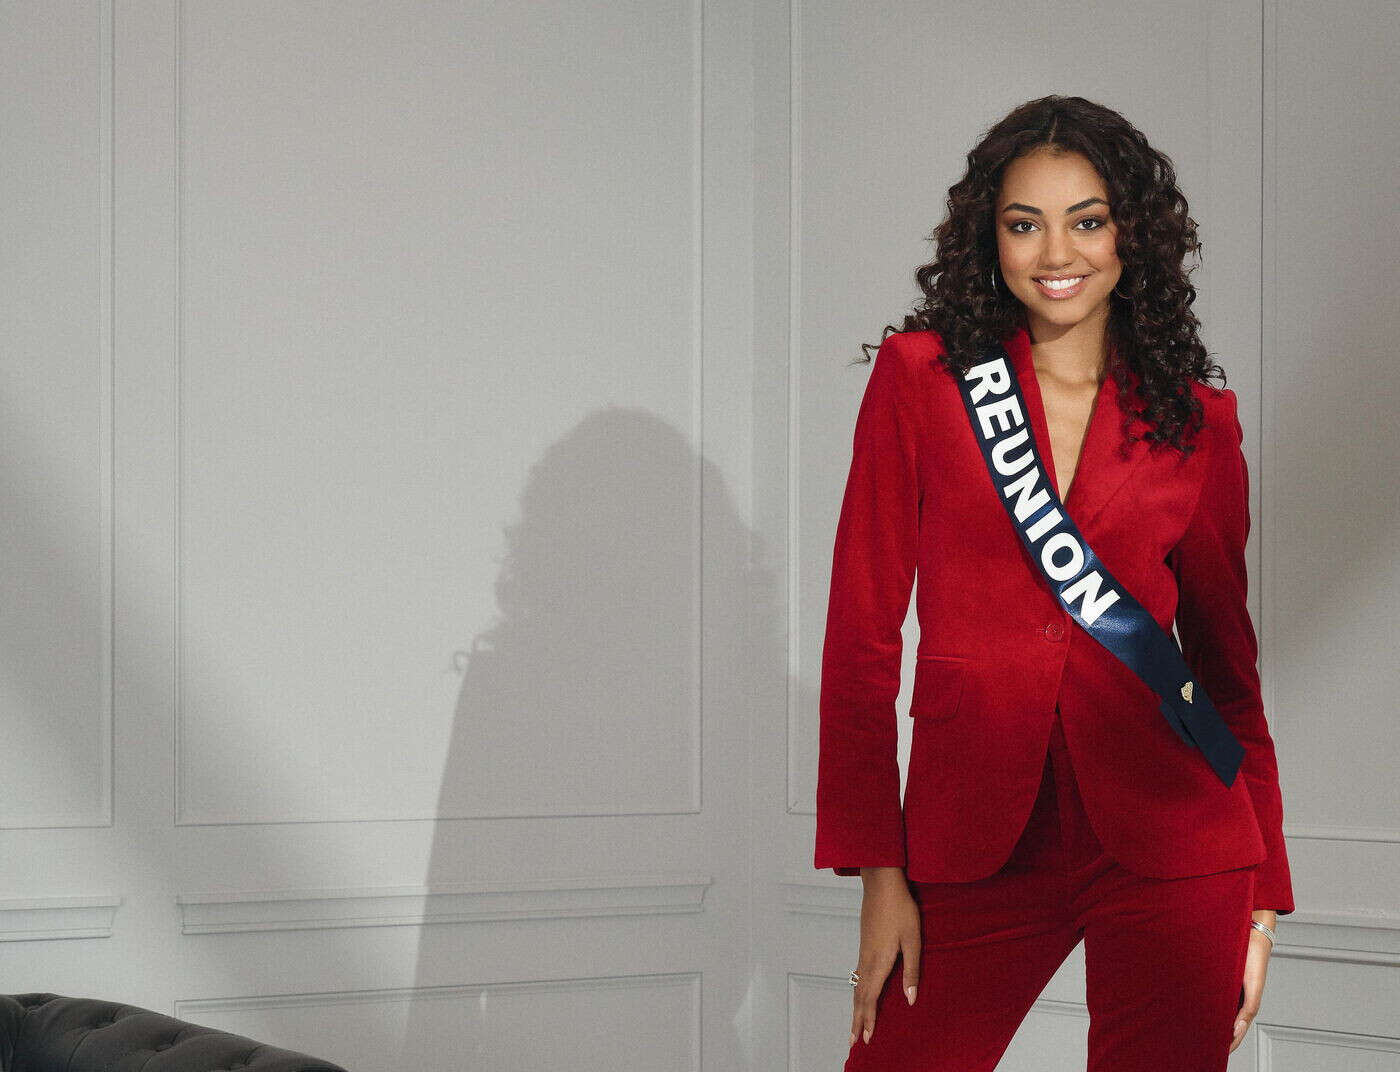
x: 1054, y: 631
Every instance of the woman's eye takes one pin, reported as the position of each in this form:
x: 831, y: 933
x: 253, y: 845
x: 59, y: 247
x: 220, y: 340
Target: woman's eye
x: 1095, y: 221
x: 1018, y: 223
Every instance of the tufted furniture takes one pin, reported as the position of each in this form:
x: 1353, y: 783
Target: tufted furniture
x: 50, y: 1033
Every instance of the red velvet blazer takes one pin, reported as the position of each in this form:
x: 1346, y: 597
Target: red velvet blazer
x: 997, y: 652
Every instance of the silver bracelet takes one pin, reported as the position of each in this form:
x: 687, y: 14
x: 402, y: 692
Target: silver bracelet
x: 1262, y: 927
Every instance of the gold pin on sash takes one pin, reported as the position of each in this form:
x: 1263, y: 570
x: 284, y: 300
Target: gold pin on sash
x: 1186, y: 692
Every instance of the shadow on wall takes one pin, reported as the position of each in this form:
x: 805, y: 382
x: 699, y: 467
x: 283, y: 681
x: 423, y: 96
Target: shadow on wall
x: 578, y: 707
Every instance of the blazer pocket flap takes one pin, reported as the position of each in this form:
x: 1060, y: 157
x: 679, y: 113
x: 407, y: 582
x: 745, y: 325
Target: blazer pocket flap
x: 938, y: 685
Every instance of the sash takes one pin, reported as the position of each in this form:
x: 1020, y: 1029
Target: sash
x: 1107, y: 611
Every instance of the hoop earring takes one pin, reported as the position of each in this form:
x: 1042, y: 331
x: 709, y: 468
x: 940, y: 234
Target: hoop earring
x: 994, y: 278
x: 1126, y: 297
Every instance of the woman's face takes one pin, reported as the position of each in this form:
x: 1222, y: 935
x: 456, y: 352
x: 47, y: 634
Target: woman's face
x: 1053, y: 221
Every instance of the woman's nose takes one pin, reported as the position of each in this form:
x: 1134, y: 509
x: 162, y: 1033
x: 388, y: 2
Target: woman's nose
x: 1058, y: 250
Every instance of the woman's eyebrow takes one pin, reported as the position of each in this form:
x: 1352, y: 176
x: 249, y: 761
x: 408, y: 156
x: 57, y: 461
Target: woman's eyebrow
x: 1016, y: 206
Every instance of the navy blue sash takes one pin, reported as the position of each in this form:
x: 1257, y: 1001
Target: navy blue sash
x: 1107, y: 611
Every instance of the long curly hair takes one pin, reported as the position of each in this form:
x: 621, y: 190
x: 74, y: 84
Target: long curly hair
x: 1153, y: 332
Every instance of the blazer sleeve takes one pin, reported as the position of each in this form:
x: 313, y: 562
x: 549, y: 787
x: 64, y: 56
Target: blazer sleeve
x: 860, y: 821
x: 1218, y: 639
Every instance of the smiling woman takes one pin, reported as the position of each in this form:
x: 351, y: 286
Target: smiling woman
x: 1052, y: 256
x: 1060, y: 238
x: 1089, y: 197
x: 1051, y: 798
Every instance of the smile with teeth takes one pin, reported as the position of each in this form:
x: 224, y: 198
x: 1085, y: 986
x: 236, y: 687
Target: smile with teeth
x: 1061, y: 288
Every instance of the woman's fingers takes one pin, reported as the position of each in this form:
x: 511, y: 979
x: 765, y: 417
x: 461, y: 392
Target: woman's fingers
x: 1256, y: 969
x: 873, y: 973
x: 909, y: 950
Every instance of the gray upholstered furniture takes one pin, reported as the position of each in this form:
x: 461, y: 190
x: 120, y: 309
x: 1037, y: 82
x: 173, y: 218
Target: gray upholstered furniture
x: 51, y: 1033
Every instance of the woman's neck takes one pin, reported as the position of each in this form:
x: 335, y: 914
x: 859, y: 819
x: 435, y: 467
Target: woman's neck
x: 1076, y: 354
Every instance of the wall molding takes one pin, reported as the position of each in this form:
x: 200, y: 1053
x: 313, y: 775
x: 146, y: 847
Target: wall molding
x: 30, y: 919
x: 189, y: 1006
x: 1374, y: 834
x: 683, y: 800
x: 1271, y: 1035
x: 680, y: 991
x: 467, y: 902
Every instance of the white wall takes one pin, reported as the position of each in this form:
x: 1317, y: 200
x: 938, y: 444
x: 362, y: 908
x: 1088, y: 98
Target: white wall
x: 424, y: 426
x: 377, y: 385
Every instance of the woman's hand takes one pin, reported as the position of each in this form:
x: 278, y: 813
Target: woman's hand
x: 1256, y: 969
x: 889, y: 927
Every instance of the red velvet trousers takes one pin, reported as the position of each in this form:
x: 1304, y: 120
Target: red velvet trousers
x: 1164, y: 958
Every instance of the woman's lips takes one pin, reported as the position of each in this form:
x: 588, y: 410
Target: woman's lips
x: 1063, y: 292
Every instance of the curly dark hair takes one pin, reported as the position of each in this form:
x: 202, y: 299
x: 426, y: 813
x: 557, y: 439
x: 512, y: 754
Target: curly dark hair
x: 1154, y: 331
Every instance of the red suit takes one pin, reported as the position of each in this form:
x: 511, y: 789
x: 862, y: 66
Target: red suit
x: 997, y: 652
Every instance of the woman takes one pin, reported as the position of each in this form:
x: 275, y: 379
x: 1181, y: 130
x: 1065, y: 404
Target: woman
x: 1052, y: 795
